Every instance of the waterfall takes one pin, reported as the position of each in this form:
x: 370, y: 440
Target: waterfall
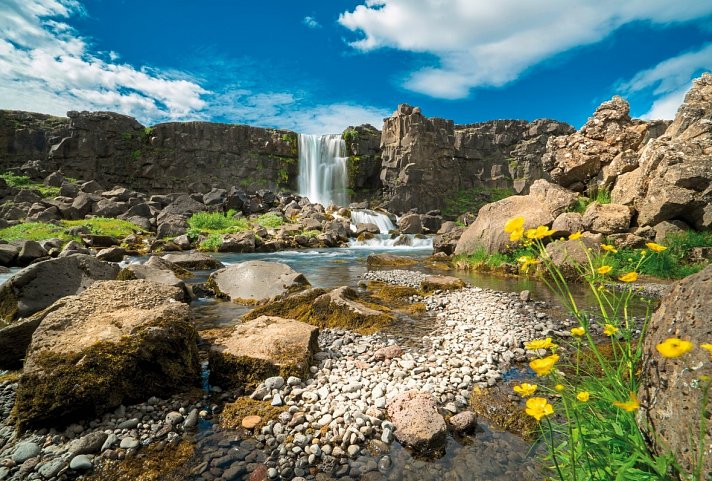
x: 366, y: 216
x: 383, y: 240
x: 323, y: 170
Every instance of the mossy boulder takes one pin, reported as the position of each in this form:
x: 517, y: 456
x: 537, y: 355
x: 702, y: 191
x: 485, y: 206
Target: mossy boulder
x: 441, y: 283
x: 233, y: 413
x: 264, y: 347
x: 39, y: 285
x: 389, y: 260
x: 117, y: 342
x: 256, y: 282
x: 494, y: 405
x: 338, y: 308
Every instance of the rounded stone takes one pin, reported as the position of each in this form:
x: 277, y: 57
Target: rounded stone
x: 251, y: 422
x: 81, y: 462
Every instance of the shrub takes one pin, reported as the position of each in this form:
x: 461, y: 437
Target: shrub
x: 270, y: 220
x: 212, y: 243
x: 216, y: 223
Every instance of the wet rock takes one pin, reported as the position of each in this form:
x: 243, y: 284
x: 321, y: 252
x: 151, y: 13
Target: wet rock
x: 417, y: 421
x: 81, y: 462
x: 256, y: 281
x: 463, y: 422
x: 261, y: 348
x: 89, y: 444
x: 193, y: 261
x: 111, y: 254
x: 159, y: 357
x: 389, y: 260
x: 25, y: 451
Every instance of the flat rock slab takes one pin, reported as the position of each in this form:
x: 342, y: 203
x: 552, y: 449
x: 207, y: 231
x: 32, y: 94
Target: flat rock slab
x: 39, y: 285
x: 441, y: 283
x: 256, y: 281
x: 390, y: 260
x: 417, y: 421
x: 262, y: 348
x: 115, y: 343
x: 194, y: 261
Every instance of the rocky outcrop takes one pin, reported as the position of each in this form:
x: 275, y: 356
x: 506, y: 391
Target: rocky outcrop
x: 261, y: 348
x: 604, y: 148
x: 115, y: 343
x: 672, y: 391
x: 545, y: 202
x: 39, y: 285
x: 256, y: 281
x: 417, y: 421
x: 673, y: 180
x: 363, y: 147
x: 428, y: 161
x: 27, y: 136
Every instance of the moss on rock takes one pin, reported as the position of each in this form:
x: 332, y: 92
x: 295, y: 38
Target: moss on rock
x: 495, y: 406
x: 233, y: 413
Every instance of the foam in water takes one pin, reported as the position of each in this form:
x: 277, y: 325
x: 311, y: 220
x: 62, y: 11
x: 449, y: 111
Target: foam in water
x: 323, y: 170
x: 384, y: 240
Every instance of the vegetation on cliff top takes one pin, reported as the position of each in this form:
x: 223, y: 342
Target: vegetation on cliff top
x: 24, y: 182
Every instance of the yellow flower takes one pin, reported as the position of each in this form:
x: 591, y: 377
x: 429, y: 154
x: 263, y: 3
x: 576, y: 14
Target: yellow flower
x: 630, y: 277
x: 643, y: 252
x: 603, y: 270
x: 538, y: 407
x: 673, y: 347
x: 630, y: 405
x: 608, y: 248
x: 559, y: 387
x: 707, y: 347
x: 539, y: 344
x: 578, y: 331
x: 575, y: 236
x: 583, y: 396
x: 525, y: 389
x: 609, y: 329
x: 655, y: 247
x: 516, y: 235
x: 543, y: 366
x: 539, y: 233
x: 514, y: 224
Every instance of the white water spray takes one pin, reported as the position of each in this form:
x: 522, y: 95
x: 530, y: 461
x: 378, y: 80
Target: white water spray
x: 383, y: 240
x: 323, y: 170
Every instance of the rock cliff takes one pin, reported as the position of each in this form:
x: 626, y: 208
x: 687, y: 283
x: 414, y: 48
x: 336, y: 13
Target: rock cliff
x: 428, y: 161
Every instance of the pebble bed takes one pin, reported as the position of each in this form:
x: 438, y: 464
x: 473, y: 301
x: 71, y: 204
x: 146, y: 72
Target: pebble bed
x: 334, y: 424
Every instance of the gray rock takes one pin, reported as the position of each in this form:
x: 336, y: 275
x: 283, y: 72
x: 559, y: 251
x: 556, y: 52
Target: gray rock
x: 191, y: 421
x: 51, y: 468
x: 81, y: 462
x: 129, y: 443
x: 128, y: 424
x: 89, y: 444
x: 24, y: 451
x: 256, y: 281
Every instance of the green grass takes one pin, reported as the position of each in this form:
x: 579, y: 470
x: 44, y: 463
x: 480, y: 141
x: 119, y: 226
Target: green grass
x: 39, y: 231
x: 311, y: 233
x: 216, y: 223
x: 471, y: 200
x: 24, y: 182
x: 270, y: 220
x: 480, y: 259
x: 672, y: 263
x: 602, y: 196
x: 212, y: 243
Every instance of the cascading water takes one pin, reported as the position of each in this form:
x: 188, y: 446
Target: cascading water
x: 323, y: 170
x: 383, y: 239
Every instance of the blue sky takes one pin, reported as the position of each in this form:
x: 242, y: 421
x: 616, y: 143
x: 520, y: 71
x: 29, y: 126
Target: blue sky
x: 319, y: 66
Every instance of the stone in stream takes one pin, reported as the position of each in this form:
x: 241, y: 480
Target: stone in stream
x: 417, y: 421
x: 82, y: 360
x: 463, y: 422
x: 39, y: 285
x: 389, y: 260
x: 262, y: 348
x: 256, y: 281
x: 152, y: 274
x: 194, y: 261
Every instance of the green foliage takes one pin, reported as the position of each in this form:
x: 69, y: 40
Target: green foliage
x: 673, y: 263
x: 270, y: 220
x: 126, y: 136
x: 212, y: 243
x: 350, y: 136
x: 311, y: 233
x: 471, y: 200
x: 39, y: 231
x: 136, y: 154
x: 147, y: 131
x: 36, y: 231
x: 215, y: 223
x: 24, y: 182
x: 602, y: 196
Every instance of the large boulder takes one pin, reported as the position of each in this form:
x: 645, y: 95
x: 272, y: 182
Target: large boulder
x: 115, y: 343
x: 607, y: 218
x: 256, y: 281
x: 545, y: 202
x: 39, y: 285
x: 264, y: 347
x: 154, y: 274
x: 410, y: 224
x: 417, y: 421
x: 674, y: 178
x: 671, y: 391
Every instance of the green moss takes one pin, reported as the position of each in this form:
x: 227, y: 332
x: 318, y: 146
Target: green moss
x: 36, y: 231
x: 106, y: 226
x: 10, y: 376
x: 82, y: 384
x: 494, y: 405
x: 153, y: 464
x: 270, y: 220
x: 136, y: 154
x: 233, y: 413
x: 23, y: 182
x: 215, y: 223
x: 230, y: 372
x: 126, y: 136
x: 212, y: 243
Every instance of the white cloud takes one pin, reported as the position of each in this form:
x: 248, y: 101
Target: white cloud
x: 669, y: 81
x: 484, y: 43
x: 46, y: 66
x: 311, y: 22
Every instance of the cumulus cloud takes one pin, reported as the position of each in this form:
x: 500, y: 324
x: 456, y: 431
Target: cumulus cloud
x: 46, y: 66
x: 311, y: 22
x: 668, y: 81
x: 480, y: 43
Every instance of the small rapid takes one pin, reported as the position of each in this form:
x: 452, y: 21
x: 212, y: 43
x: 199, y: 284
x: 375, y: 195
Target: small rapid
x: 384, y: 240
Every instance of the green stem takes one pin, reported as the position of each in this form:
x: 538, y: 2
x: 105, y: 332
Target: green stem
x: 553, y: 451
